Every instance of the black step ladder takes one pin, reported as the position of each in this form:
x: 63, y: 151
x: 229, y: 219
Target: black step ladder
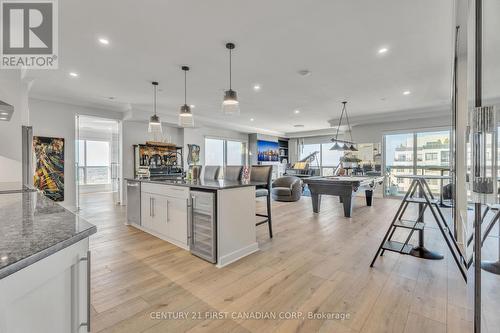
x: 420, y: 193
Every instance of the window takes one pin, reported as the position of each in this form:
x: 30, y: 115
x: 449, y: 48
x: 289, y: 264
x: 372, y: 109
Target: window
x: 94, y: 162
x: 326, y: 159
x: 431, y: 156
x: 432, y: 150
x: 224, y: 152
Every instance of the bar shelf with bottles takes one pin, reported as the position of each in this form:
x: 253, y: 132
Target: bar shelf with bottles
x: 158, y: 161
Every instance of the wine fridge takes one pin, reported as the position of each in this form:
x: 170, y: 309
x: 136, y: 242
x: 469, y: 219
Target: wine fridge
x: 203, y: 225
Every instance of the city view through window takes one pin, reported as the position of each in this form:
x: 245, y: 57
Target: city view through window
x: 416, y: 153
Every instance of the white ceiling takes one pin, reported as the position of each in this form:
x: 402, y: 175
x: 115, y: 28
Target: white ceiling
x: 336, y: 40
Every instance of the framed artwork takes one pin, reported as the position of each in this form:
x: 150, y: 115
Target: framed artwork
x: 48, y: 160
x: 268, y: 151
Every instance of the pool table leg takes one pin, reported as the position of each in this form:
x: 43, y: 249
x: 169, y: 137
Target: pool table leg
x: 316, y: 201
x: 369, y: 197
x: 347, y: 202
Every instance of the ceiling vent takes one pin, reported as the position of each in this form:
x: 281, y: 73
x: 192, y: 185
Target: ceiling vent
x: 6, y: 111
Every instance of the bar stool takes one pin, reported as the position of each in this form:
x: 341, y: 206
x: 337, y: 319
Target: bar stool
x: 233, y: 173
x: 263, y: 173
x: 212, y: 172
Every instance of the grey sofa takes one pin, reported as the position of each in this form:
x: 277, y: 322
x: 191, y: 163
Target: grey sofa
x: 287, y: 188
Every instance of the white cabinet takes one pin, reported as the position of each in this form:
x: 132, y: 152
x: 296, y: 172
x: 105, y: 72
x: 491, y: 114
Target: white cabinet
x: 49, y: 296
x: 164, y: 212
x: 177, y: 219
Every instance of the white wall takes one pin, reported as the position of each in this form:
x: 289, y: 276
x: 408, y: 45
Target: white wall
x: 197, y: 136
x: 15, y: 92
x: 55, y: 119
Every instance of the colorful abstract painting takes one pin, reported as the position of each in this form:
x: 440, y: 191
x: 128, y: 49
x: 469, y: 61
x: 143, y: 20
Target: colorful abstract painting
x: 48, y: 160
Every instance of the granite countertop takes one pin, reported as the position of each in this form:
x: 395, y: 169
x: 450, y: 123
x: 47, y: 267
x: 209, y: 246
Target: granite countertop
x: 201, y: 183
x: 33, y: 227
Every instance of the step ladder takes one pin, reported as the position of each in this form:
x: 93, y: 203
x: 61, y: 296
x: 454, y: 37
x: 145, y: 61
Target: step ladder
x: 420, y: 193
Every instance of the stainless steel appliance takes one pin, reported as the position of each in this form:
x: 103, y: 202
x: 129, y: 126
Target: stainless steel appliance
x: 203, y: 225
x: 134, y: 202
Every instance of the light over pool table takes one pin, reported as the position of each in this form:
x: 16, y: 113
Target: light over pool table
x: 342, y: 186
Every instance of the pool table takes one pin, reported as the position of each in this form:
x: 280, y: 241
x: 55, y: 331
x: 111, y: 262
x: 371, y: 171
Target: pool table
x: 343, y: 187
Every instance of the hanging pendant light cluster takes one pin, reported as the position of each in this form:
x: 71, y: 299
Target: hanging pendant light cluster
x: 343, y: 145
x: 185, y: 114
x: 230, y: 105
x: 154, y: 121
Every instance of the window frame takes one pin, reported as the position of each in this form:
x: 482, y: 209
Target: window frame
x: 244, y: 157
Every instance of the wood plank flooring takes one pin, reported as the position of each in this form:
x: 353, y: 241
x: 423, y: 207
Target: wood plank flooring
x: 316, y: 263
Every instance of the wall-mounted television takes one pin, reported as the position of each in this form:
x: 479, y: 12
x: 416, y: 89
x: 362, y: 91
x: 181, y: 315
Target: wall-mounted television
x: 268, y: 151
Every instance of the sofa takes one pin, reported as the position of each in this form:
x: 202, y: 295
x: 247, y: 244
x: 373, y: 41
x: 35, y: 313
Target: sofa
x: 287, y: 188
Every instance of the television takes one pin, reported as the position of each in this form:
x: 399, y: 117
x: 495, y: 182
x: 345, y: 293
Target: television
x: 268, y: 151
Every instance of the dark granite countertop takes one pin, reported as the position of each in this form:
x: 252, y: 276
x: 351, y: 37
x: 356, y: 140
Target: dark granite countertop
x: 33, y: 227
x: 201, y: 183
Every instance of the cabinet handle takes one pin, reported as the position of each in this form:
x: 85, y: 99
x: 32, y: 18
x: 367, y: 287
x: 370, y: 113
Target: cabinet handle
x: 150, y: 206
x: 154, y: 208
x: 191, y: 223
x: 87, y: 323
x: 167, y: 212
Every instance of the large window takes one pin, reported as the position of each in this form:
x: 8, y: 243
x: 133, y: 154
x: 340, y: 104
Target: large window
x: 432, y: 152
x: 94, y: 162
x: 224, y: 152
x: 326, y: 159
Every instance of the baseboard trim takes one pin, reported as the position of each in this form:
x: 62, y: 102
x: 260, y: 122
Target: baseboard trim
x: 237, y: 255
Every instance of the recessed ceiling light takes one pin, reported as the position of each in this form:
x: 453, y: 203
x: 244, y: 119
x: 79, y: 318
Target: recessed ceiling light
x: 251, y: 119
x: 192, y: 106
x: 406, y: 92
x: 383, y: 50
x: 299, y: 125
x: 4, y: 113
x: 73, y: 74
x: 104, y: 41
x: 256, y: 87
x: 304, y: 72
x: 296, y: 111
x: 3, y: 258
x: 3, y: 118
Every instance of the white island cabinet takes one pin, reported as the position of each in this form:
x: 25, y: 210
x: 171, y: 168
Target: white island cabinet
x: 44, y: 266
x: 48, y: 296
x: 214, y: 219
x: 164, y: 212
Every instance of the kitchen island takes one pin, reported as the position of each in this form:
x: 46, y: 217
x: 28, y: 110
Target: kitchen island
x: 44, y: 266
x: 214, y: 219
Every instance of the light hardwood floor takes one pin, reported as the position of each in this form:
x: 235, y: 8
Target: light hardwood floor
x: 316, y: 263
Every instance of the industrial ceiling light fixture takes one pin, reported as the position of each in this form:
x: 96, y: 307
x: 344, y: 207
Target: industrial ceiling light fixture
x: 185, y: 114
x: 154, y: 121
x: 230, y: 105
x: 346, y: 145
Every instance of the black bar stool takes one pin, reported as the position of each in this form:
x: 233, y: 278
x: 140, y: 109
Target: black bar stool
x: 263, y: 173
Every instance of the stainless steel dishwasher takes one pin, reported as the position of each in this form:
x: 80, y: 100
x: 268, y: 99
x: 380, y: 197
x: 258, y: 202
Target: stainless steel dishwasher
x: 134, y: 202
x: 203, y: 233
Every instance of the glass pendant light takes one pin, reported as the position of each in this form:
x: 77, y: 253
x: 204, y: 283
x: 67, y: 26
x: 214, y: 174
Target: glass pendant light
x: 230, y: 105
x: 154, y: 121
x: 185, y: 114
x: 336, y: 146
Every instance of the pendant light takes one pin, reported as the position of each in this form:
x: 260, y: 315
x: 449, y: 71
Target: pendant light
x: 230, y: 105
x: 185, y: 114
x: 154, y: 121
x: 346, y: 145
